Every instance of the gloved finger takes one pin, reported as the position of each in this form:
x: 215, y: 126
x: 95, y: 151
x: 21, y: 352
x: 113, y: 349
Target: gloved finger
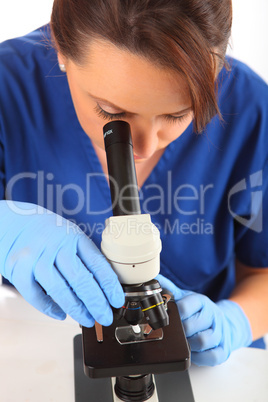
x: 84, y: 285
x: 58, y: 289
x: 201, y: 321
x: 34, y: 294
x: 171, y: 287
x: 211, y: 357
x: 205, y: 340
x: 95, y: 261
x: 190, y: 305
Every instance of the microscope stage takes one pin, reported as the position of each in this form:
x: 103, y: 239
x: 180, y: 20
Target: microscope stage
x: 111, y: 359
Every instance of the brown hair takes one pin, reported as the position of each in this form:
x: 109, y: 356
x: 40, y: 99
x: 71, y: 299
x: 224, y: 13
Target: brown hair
x: 188, y: 36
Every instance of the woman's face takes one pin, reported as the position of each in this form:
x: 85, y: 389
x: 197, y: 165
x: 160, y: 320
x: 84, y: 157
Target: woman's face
x: 116, y: 84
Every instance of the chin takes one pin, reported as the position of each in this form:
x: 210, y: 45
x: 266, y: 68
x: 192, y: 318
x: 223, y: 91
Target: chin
x: 139, y: 160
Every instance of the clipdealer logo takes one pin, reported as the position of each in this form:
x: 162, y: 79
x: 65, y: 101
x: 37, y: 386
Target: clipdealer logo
x: 255, y: 220
x: 185, y: 200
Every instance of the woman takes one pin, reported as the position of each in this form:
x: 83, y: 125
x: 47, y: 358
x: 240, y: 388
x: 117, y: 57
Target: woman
x: 199, y: 128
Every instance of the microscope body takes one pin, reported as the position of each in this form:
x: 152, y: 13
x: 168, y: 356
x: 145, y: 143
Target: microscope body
x: 147, y: 335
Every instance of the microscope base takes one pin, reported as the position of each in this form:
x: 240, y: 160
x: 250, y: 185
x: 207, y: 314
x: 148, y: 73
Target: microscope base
x: 171, y: 387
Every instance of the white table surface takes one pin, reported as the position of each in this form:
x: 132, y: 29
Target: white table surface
x: 36, y: 361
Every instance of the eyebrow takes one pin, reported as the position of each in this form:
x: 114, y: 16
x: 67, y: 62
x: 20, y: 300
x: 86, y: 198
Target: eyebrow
x: 188, y: 109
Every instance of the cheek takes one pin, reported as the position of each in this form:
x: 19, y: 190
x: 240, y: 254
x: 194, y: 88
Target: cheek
x: 84, y: 111
x: 88, y: 119
x: 90, y: 123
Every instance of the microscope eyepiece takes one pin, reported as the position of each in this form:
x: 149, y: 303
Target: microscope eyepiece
x: 121, y: 168
x: 117, y: 132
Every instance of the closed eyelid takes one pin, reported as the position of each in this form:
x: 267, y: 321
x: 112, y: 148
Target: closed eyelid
x: 104, y: 107
x: 102, y: 103
x: 106, y: 103
x: 182, y: 114
x: 105, y: 114
x: 108, y: 113
x: 111, y: 116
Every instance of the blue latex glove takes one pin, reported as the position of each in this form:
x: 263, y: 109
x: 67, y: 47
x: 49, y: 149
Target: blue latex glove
x: 55, y: 266
x: 213, y: 330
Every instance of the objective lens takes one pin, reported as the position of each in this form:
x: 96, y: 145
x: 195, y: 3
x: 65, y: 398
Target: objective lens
x: 155, y: 312
x: 148, y: 296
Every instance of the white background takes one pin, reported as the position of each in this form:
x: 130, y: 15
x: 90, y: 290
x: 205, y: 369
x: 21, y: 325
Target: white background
x: 249, y: 38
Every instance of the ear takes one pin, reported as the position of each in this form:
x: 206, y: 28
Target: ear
x: 61, y: 58
x: 62, y: 62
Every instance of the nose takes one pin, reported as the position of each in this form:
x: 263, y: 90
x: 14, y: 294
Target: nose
x: 145, y: 139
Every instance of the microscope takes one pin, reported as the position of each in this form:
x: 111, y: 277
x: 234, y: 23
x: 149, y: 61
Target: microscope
x: 143, y: 355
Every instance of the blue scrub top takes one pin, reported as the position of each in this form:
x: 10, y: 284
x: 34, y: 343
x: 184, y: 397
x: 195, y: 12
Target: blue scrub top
x: 207, y: 195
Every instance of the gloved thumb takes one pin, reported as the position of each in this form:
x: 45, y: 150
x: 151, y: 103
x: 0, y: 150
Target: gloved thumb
x: 172, y: 288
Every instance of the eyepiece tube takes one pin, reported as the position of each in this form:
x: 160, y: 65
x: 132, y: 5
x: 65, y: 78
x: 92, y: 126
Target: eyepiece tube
x: 121, y: 168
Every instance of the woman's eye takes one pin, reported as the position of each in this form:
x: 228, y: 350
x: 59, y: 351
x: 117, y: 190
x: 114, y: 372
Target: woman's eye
x: 175, y: 119
x: 108, y: 116
x: 111, y: 116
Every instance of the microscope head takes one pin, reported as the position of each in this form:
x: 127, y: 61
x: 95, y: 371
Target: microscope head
x: 130, y: 241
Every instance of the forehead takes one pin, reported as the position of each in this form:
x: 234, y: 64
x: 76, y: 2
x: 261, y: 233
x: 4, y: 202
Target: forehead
x: 128, y: 79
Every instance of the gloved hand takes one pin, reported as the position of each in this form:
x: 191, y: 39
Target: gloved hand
x: 55, y: 266
x: 213, y: 330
